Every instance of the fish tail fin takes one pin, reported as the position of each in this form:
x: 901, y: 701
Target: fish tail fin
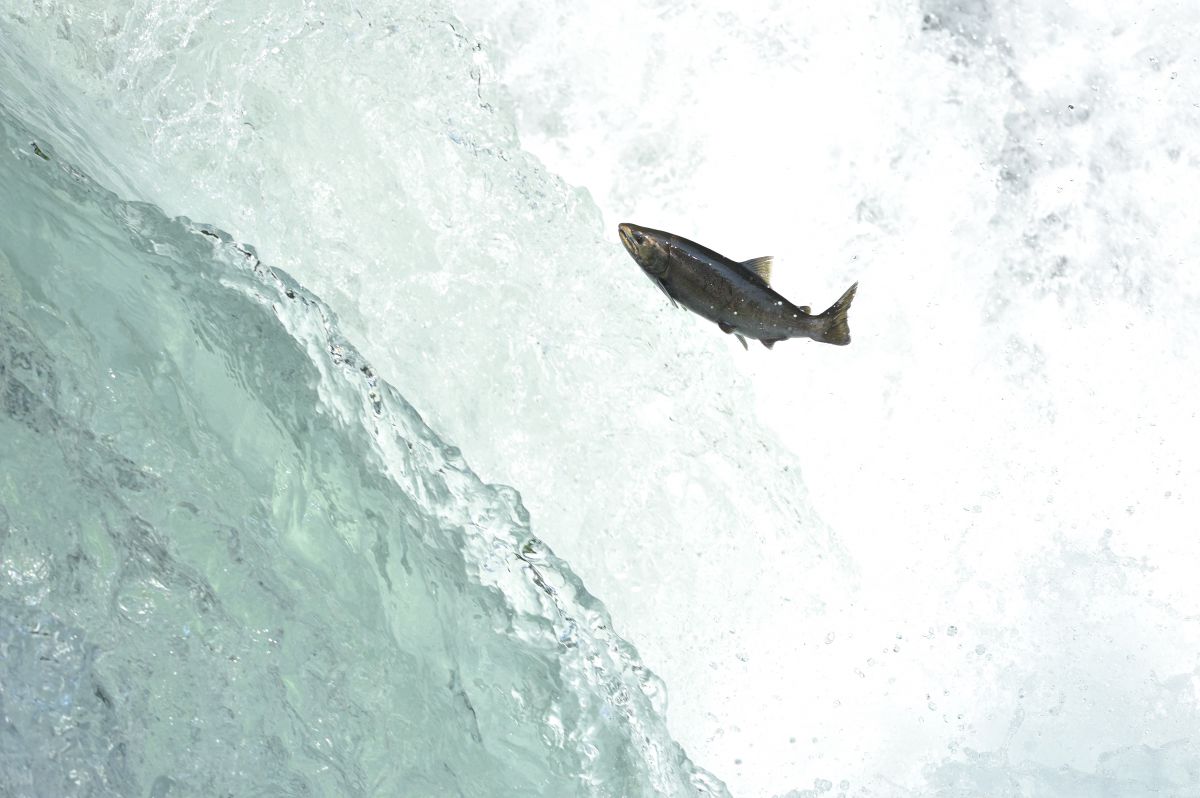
x: 837, y: 329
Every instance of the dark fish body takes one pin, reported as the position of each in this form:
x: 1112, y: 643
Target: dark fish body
x: 737, y: 296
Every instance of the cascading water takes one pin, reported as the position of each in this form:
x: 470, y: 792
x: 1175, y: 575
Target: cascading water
x: 236, y: 562
x: 946, y: 560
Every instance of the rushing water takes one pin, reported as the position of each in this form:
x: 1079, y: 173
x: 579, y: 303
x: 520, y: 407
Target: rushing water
x: 951, y: 559
x: 236, y: 562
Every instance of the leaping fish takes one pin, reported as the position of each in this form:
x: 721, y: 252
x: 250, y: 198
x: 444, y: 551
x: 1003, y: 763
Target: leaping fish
x: 737, y: 296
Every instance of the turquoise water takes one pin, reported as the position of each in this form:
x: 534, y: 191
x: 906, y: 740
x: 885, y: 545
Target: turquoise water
x: 954, y: 559
x: 236, y: 562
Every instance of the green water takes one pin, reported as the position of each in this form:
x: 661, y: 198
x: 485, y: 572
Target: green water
x: 233, y: 562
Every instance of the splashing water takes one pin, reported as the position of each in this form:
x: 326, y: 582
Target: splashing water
x: 946, y: 560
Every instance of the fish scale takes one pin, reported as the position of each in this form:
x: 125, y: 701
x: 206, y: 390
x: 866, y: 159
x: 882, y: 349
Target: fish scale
x: 738, y: 297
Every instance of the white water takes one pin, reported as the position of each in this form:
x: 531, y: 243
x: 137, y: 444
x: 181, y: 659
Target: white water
x: 1007, y: 448
x: 970, y: 531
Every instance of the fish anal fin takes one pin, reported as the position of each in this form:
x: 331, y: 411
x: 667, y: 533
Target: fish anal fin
x: 761, y: 267
x: 741, y: 338
x: 771, y: 344
x: 725, y: 328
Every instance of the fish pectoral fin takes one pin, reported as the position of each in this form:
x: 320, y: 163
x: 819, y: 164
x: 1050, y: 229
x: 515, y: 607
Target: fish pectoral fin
x: 741, y: 338
x: 663, y: 288
x: 761, y: 267
x: 806, y: 309
x: 725, y: 328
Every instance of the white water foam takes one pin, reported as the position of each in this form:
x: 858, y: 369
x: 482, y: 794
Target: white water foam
x: 987, y: 550
x: 1006, y: 451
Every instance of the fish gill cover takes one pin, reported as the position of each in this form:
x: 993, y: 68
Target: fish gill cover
x: 234, y: 561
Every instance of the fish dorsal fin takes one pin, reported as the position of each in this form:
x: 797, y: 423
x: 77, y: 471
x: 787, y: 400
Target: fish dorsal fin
x: 761, y: 267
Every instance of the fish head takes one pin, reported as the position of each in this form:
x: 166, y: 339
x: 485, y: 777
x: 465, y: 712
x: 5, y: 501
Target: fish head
x: 650, y: 248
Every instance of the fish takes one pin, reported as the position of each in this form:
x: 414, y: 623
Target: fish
x: 736, y: 295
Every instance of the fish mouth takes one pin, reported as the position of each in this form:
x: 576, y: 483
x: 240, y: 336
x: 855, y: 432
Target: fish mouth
x: 626, y: 234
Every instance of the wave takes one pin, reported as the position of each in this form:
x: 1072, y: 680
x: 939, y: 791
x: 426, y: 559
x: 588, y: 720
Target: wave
x: 987, y: 588
x: 238, y: 562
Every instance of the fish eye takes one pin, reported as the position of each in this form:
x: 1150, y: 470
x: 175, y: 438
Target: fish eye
x: 639, y: 237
